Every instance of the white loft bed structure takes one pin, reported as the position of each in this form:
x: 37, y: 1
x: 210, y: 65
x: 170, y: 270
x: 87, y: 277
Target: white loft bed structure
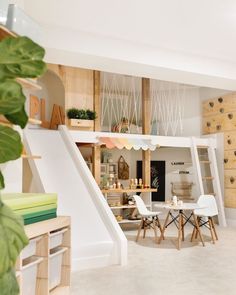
x: 63, y: 169
x: 138, y: 141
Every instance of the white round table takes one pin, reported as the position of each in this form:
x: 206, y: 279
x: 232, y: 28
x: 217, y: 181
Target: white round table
x: 180, y: 220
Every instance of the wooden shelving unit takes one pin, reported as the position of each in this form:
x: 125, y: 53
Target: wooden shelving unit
x: 43, y: 231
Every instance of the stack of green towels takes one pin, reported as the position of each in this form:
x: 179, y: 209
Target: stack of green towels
x: 32, y: 207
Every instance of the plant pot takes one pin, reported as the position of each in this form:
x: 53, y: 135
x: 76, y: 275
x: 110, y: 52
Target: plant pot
x: 83, y: 124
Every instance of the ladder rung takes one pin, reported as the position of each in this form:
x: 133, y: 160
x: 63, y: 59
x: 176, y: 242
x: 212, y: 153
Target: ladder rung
x: 213, y: 194
x: 202, y: 146
x: 25, y: 156
x: 207, y: 178
x: 205, y: 162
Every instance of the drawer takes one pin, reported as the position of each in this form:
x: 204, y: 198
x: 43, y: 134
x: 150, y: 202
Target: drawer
x: 30, y: 249
x: 219, y: 105
x: 230, y: 159
x: 56, y: 238
x: 219, y: 123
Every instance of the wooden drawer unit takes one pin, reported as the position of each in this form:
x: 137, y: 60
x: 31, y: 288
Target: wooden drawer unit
x: 230, y: 178
x: 230, y: 159
x: 230, y: 197
x: 220, y: 105
x: 219, y: 123
x: 230, y: 140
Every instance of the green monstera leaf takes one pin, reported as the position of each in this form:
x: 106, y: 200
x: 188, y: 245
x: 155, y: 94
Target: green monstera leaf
x: 10, y: 144
x: 11, y: 97
x: 12, y: 238
x: 18, y: 118
x: 8, y: 283
x: 2, y: 184
x: 21, y: 57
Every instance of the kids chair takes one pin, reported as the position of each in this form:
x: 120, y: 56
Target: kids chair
x: 148, y: 218
x: 205, y: 214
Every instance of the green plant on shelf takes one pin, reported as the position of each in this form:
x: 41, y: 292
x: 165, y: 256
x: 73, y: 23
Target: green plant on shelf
x: 81, y: 114
x: 19, y: 58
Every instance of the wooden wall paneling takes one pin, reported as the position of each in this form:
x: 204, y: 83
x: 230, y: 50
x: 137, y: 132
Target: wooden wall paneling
x: 230, y: 197
x: 79, y: 89
x: 219, y: 123
x: 220, y: 105
x: 230, y: 159
x: 230, y: 178
x: 230, y: 140
x: 146, y: 127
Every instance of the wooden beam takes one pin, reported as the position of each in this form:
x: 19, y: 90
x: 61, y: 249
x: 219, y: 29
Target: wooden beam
x: 97, y: 126
x: 146, y: 127
x: 146, y: 106
x: 96, y: 100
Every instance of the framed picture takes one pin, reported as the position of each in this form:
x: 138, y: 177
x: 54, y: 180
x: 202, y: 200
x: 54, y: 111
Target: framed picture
x: 158, y: 171
x: 103, y: 169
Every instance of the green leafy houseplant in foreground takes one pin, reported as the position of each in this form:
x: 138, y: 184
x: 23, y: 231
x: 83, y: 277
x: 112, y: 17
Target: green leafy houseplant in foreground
x: 19, y: 57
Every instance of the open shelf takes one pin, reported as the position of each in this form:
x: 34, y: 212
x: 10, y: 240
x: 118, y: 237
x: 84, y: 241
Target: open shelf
x: 138, y: 190
x: 126, y: 207
x: 129, y: 221
x: 52, y: 238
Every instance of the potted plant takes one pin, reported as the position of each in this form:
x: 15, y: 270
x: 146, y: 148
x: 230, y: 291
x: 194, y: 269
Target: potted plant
x: 81, y: 118
x: 19, y: 57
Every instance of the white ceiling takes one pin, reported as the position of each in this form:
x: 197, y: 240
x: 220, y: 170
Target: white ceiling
x: 197, y: 35
x: 205, y: 27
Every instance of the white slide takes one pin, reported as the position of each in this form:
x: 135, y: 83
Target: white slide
x: 97, y: 239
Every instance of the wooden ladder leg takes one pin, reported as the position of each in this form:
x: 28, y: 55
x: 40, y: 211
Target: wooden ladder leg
x: 213, y: 226
x: 211, y: 230
x: 139, y: 229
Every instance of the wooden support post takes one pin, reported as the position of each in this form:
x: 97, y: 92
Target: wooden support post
x: 96, y: 100
x: 146, y: 124
x: 97, y: 126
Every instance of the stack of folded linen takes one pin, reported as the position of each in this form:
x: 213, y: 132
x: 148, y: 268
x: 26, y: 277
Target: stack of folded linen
x: 31, y: 206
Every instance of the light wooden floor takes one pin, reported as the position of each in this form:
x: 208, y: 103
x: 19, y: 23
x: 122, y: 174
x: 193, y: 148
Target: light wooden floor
x: 163, y: 270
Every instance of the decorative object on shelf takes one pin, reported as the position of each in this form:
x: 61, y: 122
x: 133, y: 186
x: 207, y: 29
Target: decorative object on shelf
x: 20, y: 57
x: 81, y: 118
x: 123, y: 169
x: 122, y: 126
x: 106, y: 156
x: 182, y: 189
x: 157, y: 178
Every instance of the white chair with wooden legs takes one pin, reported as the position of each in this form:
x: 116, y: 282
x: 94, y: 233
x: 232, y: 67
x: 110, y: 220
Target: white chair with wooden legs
x: 206, y: 214
x: 148, y: 218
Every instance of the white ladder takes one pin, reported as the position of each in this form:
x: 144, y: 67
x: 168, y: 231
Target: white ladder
x: 213, y: 178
